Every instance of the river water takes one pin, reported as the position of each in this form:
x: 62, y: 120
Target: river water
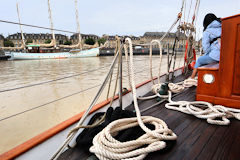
x: 28, y: 111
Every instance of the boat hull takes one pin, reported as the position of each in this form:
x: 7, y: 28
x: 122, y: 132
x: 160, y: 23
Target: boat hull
x: 4, y: 57
x: 31, y: 56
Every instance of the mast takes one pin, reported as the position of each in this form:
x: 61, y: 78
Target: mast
x: 78, y: 26
x: 51, y: 23
x: 19, y: 20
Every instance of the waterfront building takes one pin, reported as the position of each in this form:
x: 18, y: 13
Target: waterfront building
x: 1, y: 41
x: 37, y: 38
x: 74, y: 38
x: 135, y: 40
x: 169, y: 39
x: 112, y: 40
x: 61, y: 39
x: 147, y: 38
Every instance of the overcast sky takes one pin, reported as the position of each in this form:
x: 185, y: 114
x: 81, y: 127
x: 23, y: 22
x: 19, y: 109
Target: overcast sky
x: 122, y: 17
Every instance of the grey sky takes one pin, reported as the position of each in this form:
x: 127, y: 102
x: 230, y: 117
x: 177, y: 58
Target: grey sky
x: 122, y: 17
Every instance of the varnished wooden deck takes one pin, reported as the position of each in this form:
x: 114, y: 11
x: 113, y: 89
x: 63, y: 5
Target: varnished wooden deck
x: 196, y: 138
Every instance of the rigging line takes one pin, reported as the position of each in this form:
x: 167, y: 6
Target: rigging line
x: 174, y: 52
x: 185, y: 8
x: 34, y: 26
x: 173, y: 25
x: 169, y: 30
x: 196, y: 16
x: 45, y: 82
x: 36, y: 84
x: 189, y: 10
x: 42, y: 105
x: 175, y: 57
x: 183, y: 2
x: 111, y: 75
x: 70, y: 95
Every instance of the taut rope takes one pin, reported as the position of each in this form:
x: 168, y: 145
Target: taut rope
x: 106, y: 147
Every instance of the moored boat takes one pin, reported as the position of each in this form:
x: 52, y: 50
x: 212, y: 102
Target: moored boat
x: 3, y: 56
x: 51, y: 50
x: 49, y: 55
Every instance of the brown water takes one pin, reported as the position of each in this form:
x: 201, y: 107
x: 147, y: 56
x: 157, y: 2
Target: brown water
x: 26, y: 112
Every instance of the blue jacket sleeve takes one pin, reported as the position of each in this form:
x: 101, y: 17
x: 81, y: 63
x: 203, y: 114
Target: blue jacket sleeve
x: 206, y: 42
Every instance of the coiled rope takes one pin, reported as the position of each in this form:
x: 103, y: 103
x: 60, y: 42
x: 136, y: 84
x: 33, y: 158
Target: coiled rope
x: 106, y: 147
x: 214, y: 114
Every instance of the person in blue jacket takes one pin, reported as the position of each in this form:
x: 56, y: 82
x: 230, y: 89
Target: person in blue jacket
x: 210, y: 42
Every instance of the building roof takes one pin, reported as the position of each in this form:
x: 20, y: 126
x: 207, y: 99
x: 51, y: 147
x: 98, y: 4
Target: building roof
x: 35, y: 34
x: 1, y: 36
x: 76, y: 34
x: 160, y: 34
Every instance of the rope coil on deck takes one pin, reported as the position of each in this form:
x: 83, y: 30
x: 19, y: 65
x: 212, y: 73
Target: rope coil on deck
x: 110, y: 148
x: 173, y: 87
x: 215, y: 114
x: 180, y: 86
x: 106, y: 147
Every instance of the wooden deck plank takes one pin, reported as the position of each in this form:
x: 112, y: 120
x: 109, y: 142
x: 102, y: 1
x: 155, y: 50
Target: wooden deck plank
x: 234, y: 151
x: 224, y: 148
x: 209, y: 149
x: 196, y: 138
x: 201, y: 142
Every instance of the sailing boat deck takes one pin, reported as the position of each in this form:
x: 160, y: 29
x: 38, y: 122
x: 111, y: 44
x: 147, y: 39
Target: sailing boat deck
x: 196, y: 138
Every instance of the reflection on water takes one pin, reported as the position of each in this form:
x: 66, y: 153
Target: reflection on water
x: 44, y: 106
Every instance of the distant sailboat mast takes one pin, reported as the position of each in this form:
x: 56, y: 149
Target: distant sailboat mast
x: 19, y: 20
x: 78, y: 25
x: 51, y: 23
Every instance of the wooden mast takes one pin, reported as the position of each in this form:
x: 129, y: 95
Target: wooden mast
x: 78, y: 25
x: 51, y: 23
x: 19, y: 20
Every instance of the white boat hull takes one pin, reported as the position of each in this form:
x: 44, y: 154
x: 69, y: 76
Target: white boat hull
x: 31, y: 56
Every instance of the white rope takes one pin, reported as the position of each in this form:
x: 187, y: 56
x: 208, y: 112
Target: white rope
x: 173, y: 87
x: 128, y: 69
x: 150, y: 67
x: 106, y: 147
x: 215, y: 114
